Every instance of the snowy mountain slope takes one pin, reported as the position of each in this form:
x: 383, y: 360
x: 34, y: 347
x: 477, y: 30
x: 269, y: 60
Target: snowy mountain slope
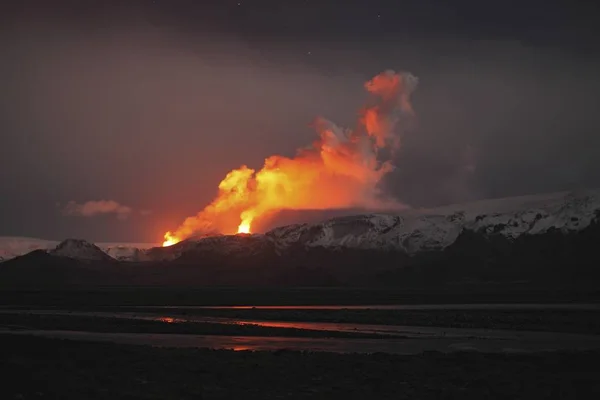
x: 412, y: 231
x: 126, y: 252
x: 545, y: 240
x: 433, y: 229
x: 80, y: 250
x: 11, y: 247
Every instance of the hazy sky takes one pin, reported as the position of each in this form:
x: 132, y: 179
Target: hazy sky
x: 150, y: 104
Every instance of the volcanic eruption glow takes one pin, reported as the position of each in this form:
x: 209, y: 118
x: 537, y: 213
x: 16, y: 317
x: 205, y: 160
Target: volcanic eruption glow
x: 244, y: 227
x: 340, y: 169
x: 170, y: 240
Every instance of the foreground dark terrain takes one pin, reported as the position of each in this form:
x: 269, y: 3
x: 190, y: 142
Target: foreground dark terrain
x: 37, y: 368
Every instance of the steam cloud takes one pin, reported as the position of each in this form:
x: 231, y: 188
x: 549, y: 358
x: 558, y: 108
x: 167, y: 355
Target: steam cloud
x: 341, y: 169
x: 94, y: 208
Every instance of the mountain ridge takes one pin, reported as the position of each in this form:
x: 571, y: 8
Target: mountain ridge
x: 539, y: 238
x: 412, y: 231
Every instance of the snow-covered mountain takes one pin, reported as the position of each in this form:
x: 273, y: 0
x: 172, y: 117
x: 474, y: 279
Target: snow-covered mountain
x: 435, y: 229
x: 410, y: 232
x: 80, y: 250
x: 11, y: 247
x: 536, y: 239
x: 415, y: 231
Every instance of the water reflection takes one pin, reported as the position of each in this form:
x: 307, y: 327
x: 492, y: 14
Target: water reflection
x: 497, y: 306
x: 392, y: 345
x: 241, y: 348
x: 169, y: 320
x: 400, y: 339
x: 421, y: 332
x: 327, y: 326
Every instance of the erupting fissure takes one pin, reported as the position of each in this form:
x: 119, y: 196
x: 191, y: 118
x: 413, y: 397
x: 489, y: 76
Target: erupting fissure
x: 340, y: 170
x: 244, y: 227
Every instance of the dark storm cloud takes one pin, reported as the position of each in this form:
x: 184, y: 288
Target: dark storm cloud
x: 150, y: 110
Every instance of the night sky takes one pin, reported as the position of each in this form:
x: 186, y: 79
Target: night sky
x: 150, y: 103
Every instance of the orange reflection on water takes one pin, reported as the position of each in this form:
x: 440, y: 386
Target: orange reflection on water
x: 167, y: 320
x: 281, y: 324
x: 241, y: 348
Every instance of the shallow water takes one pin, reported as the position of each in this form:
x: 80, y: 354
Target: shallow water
x: 506, y: 306
x: 391, y: 346
x: 402, y: 339
x: 405, y: 331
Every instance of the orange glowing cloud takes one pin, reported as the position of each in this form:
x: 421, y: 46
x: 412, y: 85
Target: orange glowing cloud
x: 340, y: 170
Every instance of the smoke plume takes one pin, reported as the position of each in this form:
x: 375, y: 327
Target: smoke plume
x: 341, y: 169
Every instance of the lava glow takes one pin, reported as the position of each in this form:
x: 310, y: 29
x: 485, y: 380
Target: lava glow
x: 244, y: 227
x: 170, y: 240
x: 341, y: 169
